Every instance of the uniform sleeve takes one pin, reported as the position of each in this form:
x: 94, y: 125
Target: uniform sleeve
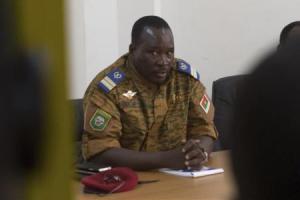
x: 102, y: 126
x: 201, y: 114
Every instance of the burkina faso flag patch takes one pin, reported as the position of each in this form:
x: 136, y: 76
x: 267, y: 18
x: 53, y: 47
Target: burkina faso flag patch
x: 205, y: 103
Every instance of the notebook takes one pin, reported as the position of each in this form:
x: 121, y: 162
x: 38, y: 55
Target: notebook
x: 205, y: 171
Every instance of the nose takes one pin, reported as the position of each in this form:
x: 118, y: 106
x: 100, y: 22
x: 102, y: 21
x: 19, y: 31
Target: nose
x: 164, y: 60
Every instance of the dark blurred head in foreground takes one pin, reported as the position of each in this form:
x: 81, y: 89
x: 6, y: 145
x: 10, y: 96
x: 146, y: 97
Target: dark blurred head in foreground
x: 266, y: 147
x: 20, y: 108
x: 289, y: 33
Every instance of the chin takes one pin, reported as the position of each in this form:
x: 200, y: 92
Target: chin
x: 159, y: 81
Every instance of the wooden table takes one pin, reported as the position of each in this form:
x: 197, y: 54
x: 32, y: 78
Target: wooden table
x: 214, y: 187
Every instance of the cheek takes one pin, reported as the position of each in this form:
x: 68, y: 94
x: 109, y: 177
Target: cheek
x: 139, y: 60
x: 147, y: 61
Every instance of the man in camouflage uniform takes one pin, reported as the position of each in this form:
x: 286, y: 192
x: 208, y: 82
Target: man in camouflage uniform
x: 148, y: 110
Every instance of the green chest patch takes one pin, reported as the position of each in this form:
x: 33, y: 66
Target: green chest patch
x: 100, y: 120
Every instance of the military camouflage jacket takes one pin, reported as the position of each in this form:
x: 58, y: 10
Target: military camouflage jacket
x: 121, y: 109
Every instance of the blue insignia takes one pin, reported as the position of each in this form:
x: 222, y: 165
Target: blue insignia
x: 186, y: 68
x: 112, y: 79
x: 116, y: 76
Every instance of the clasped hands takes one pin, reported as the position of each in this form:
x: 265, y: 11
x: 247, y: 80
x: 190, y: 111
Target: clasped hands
x: 194, y: 154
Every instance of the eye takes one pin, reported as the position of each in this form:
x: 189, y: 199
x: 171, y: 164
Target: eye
x: 154, y: 53
x: 170, y: 53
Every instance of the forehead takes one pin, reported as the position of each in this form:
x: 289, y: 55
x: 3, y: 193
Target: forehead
x: 156, y: 36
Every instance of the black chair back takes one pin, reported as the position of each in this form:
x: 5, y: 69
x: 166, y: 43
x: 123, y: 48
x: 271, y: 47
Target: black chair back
x: 224, y: 96
x: 77, y: 107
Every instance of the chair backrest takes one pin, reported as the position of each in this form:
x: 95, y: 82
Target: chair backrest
x: 224, y: 94
x: 77, y: 107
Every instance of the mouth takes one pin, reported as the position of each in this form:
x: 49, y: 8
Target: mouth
x: 162, y: 75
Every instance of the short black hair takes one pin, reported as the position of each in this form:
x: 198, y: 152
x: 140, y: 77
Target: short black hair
x: 286, y: 30
x: 147, y: 21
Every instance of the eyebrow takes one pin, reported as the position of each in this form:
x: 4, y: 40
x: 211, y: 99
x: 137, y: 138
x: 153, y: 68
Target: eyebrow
x: 156, y: 47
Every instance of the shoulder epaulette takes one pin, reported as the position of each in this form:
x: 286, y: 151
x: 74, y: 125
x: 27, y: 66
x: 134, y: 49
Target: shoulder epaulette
x: 186, y: 68
x: 111, y: 80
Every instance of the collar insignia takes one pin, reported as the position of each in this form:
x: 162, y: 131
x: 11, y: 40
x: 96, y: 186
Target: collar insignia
x: 129, y: 94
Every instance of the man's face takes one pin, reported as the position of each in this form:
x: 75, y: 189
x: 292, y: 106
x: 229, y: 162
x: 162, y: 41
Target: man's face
x: 153, y: 54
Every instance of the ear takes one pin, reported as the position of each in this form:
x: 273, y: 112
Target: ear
x: 131, y: 48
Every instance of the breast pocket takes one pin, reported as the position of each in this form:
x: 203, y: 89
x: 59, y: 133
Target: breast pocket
x: 174, y: 129
x: 133, y: 124
x: 132, y: 116
x: 177, y: 116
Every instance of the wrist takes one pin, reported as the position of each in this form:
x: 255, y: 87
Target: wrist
x: 172, y: 159
x: 163, y: 159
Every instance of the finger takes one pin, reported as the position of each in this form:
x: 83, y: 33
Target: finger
x: 197, y: 154
x: 189, y: 145
x: 206, y: 157
x: 194, y: 164
x: 194, y: 154
x: 196, y: 150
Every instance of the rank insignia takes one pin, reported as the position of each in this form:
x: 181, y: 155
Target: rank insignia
x: 100, y: 120
x: 185, y: 67
x: 205, y: 103
x: 112, y: 79
x: 129, y: 94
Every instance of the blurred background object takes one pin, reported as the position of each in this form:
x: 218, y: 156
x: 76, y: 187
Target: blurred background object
x: 36, y: 140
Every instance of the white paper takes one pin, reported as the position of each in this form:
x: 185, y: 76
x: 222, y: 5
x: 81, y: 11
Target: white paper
x: 205, y: 171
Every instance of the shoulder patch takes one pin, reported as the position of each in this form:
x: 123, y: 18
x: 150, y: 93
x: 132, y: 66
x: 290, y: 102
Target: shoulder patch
x: 111, y: 80
x: 185, y: 67
x: 100, y: 120
x: 205, y: 103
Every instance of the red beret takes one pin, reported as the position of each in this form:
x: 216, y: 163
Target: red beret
x: 118, y: 179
